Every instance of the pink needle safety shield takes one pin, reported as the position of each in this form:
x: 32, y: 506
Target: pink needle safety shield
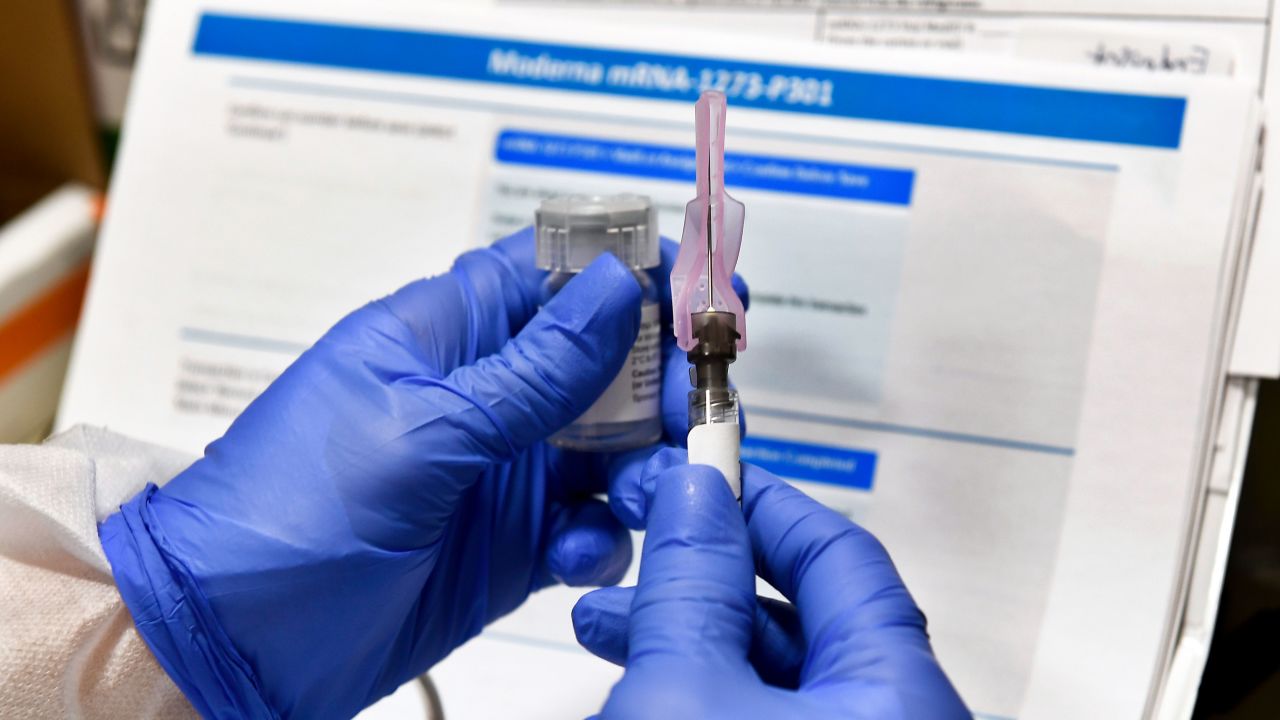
x: 701, y: 277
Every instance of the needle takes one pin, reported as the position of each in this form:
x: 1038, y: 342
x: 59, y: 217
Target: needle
x: 710, y: 210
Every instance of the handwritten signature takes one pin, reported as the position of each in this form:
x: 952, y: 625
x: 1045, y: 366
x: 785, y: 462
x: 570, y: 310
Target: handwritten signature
x: 1195, y: 61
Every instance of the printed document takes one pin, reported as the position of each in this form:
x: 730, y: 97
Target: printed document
x: 1021, y: 274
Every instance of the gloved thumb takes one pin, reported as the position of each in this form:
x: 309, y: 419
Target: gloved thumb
x: 696, y: 596
x: 556, y: 367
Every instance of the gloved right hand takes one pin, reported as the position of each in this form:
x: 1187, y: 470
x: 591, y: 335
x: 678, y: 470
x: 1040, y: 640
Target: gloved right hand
x: 698, y: 643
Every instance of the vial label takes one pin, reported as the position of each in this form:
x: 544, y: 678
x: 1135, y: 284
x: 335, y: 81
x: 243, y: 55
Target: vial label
x: 636, y: 393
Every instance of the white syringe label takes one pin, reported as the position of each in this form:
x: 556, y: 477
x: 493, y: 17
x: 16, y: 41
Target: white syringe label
x: 636, y: 393
x: 717, y: 445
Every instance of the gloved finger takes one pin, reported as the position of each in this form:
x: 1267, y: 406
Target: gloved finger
x: 632, y: 481
x: 668, y: 249
x: 473, y: 310
x: 675, y: 363
x: 601, y: 621
x: 623, y: 469
x: 552, y: 371
x: 519, y: 251
x: 778, y: 648
x: 838, y: 575
x: 696, y: 597
x: 590, y: 547
x: 675, y: 390
x: 744, y: 292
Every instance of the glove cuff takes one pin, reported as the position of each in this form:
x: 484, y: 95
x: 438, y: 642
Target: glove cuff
x: 175, y: 619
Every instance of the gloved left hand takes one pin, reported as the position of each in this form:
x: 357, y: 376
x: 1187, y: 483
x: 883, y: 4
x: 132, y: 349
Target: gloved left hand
x: 388, y: 495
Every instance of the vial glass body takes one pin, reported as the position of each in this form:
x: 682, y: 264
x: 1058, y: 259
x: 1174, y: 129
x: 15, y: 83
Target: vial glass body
x: 628, y: 414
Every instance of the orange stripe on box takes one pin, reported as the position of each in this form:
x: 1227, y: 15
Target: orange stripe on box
x: 42, y: 322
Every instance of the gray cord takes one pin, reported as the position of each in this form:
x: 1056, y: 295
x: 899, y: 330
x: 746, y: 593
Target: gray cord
x: 435, y: 709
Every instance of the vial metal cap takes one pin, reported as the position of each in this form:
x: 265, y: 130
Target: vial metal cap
x: 573, y: 230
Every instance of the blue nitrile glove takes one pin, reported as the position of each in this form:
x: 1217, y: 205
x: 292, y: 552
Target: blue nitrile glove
x: 698, y: 643
x: 389, y: 494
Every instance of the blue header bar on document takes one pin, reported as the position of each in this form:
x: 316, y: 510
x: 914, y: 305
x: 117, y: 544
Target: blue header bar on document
x: 1110, y: 117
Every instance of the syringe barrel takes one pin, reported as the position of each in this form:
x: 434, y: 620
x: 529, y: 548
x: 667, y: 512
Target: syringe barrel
x: 713, y: 406
x: 714, y: 434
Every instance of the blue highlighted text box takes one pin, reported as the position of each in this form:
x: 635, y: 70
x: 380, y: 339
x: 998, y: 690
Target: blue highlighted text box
x: 760, y: 172
x: 818, y: 463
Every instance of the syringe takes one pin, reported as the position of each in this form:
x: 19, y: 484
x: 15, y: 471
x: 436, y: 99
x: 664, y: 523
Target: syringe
x: 709, y: 321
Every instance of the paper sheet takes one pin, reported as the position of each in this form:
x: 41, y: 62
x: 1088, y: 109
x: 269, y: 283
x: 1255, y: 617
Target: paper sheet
x: 1195, y: 632
x: 1025, y: 288
x: 1164, y: 36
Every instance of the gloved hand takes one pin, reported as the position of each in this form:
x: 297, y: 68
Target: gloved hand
x: 390, y: 493
x: 698, y: 643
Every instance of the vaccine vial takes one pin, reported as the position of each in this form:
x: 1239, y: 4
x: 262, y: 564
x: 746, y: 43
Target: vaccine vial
x: 572, y: 231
